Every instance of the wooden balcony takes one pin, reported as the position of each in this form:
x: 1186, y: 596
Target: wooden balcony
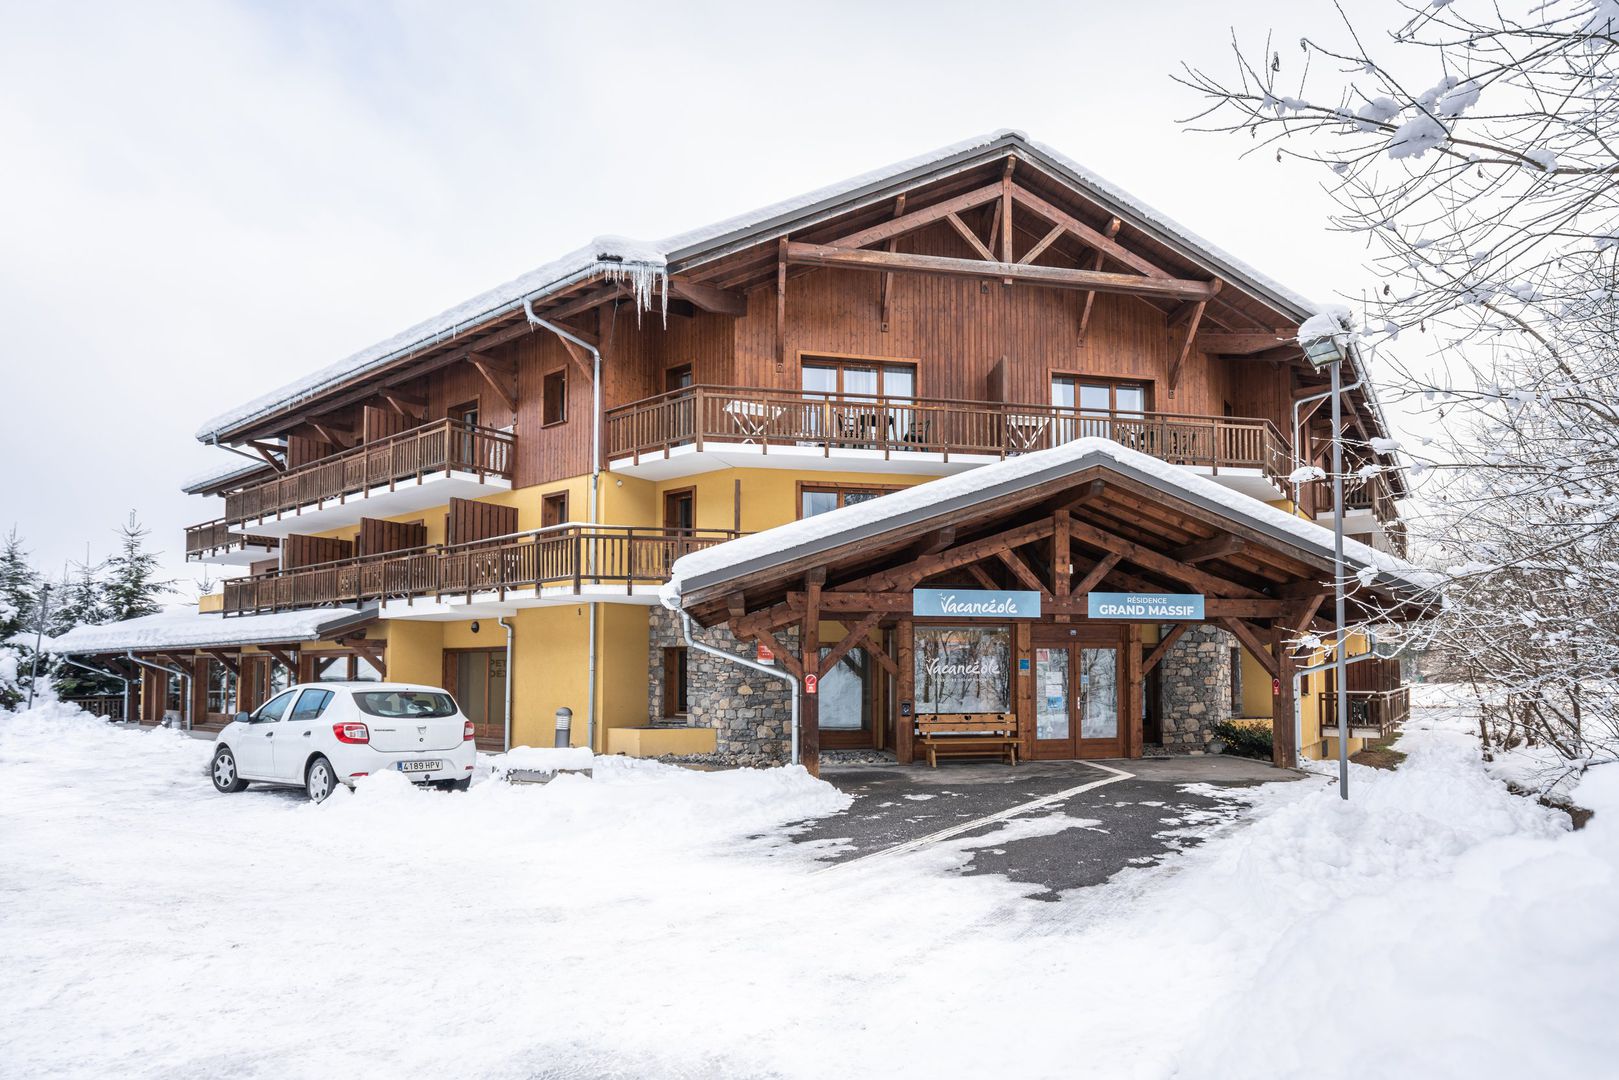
x: 1373, y: 714
x: 217, y: 542
x: 566, y: 558
x: 412, y: 470
x: 752, y: 427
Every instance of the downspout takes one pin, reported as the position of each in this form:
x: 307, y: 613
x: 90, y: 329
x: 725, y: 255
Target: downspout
x: 511, y: 674
x: 763, y: 669
x: 595, y: 483
x: 99, y: 671
x: 185, y: 677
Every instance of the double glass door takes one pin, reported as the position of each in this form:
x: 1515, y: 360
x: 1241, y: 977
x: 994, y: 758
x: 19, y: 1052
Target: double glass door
x: 1077, y: 703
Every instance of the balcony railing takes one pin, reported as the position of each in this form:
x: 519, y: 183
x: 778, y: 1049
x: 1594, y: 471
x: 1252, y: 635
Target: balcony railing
x: 563, y: 555
x: 214, y: 536
x: 439, y: 447
x: 1378, y: 711
x: 697, y: 415
x: 1374, y: 495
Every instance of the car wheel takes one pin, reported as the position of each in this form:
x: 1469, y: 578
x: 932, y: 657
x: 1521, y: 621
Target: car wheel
x: 319, y: 780
x: 226, y: 779
x: 460, y: 785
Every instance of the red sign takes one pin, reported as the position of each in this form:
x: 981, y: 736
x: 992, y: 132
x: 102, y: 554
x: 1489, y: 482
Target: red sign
x: 810, y: 683
x: 1276, y: 688
x: 763, y: 653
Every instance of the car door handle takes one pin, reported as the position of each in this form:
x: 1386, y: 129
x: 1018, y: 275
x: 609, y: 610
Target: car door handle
x: 269, y: 734
x: 307, y: 734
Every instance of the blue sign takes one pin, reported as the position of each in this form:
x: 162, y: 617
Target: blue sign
x: 1146, y: 607
x: 975, y: 604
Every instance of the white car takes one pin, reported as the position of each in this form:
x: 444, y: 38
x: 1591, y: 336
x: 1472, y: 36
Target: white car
x: 319, y: 735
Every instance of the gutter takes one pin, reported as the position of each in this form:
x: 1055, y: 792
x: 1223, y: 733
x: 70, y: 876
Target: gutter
x: 593, y: 511
x: 763, y: 669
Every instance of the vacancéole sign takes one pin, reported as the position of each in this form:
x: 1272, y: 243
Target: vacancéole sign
x: 975, y: 604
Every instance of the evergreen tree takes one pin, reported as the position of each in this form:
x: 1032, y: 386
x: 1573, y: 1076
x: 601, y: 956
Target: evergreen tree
x: 19, y: 599
x: 80, y: 601
x: 132, y: 587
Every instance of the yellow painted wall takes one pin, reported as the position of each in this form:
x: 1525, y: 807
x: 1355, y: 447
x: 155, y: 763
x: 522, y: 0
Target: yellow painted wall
x: 769, y: 497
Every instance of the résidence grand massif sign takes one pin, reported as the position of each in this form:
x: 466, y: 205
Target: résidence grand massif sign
x: 1157, y: 607
x: 975, y: 604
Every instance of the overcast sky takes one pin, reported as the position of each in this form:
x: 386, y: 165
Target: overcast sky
x: 201, y: 204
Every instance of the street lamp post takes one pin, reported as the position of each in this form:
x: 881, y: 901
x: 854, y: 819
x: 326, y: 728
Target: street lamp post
x: 1330, y: 351
x: 39, y: 638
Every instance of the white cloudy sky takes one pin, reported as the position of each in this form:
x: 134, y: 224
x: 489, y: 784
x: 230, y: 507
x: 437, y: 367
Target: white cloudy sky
x: 200, y: 201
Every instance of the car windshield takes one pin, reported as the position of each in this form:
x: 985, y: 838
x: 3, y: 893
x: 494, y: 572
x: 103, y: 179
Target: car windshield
x: 404, y: 704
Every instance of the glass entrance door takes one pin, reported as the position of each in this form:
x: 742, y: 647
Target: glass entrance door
x: 1077, y: 702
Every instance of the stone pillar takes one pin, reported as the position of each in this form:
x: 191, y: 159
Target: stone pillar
x: 1195, y: 687
x: 750, y: 712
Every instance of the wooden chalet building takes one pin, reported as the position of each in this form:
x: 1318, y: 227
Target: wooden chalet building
x: 493, y: 499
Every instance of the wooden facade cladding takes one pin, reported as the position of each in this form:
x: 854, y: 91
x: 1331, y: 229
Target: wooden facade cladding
x: 378, y: 537
x: 567, y: 556
x: 471, y: 521
x: 314, y: 550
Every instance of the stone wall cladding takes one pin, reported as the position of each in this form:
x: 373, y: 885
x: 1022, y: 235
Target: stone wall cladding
x: 1195, y: 687
x: 750, y: 712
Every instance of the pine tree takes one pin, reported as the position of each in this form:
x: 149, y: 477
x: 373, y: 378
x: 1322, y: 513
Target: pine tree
x: 80, y: 601
x: 132, y: 587
x: 19, y: 598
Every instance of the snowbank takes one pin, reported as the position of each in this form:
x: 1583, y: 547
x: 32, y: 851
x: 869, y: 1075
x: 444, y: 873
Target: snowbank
x: 657, y: 921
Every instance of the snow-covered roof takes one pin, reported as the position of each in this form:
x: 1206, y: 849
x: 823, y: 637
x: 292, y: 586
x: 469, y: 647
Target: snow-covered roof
x: 186, y: 628
x: 646, y: 264
x: 223, y: 476
x: 955, y: 494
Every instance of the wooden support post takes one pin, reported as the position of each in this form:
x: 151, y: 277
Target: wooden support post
x: 1284, y: 750
x: 905, y: 726
x: 1161, y: 650
x: 1090, y: 297
x: 809, y: 656
x: 1023, y: 688
x: 886, y: 289
x: 1134, y: 690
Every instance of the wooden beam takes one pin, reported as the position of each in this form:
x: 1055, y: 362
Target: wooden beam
x: 496, y: 375
x: 1101, y: 570
x: 824, y: 255
x: 1195, y: 318
x: 1161, y: 564
x: 898, y: 602
x: 936, y: 541
x: 1006, y: 210
x: 710, y: 298
x: 850, y: 640
x: 782, y: 249
x: 289, y: 660
x: 886, y: 289
x: 971, y: 237
x: 904, y: 577
x: 1021, y: 571
x: 809, y: 640
x: 403, y: 404
x: 1213, y: 548
x: 1284, y: 750
x: 1161, y: 650
x: 229, y: 660
x: 268, y: 452
x: 916, y: 219
x: 1043, y: 243
x: 1245, y: 343
x: 1249, y: 635
x: 1102, y: 241
x: 1062, y: 564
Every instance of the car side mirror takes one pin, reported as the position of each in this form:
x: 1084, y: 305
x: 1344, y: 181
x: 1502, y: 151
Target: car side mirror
x: 244, y: 718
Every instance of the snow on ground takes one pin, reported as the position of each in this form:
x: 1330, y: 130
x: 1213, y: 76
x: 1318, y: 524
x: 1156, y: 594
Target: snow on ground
x: 656, y: 921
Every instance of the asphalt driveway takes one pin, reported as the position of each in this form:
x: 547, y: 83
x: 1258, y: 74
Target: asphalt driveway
x: 1118, y: 814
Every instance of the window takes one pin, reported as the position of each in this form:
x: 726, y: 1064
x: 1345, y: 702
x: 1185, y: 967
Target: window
x: 311, y: 703
x: 172, y: 698
x: 275, y: 707
x: 680, y: 509
x: 858, y: 378
x: 675, y: 680
x: 553, y: 509
x: 819, y: 498
x: 843, y: 692
x: 963, y: 669
x: 344, y: 669
x: 677, y: 378
x: 1098, y: 404
x: 405, y: 704
x: 221, y: 689
x: 554, y: 398
x: 1236, y: 682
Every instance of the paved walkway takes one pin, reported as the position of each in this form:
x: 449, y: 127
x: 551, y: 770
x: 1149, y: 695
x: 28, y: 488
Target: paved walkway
x: 1088, y: 820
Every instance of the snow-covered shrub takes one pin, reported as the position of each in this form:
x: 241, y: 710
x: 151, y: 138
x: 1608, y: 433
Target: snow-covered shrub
x: 1246, y: 738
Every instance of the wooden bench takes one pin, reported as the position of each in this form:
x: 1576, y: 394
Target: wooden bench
x: 968, y: 735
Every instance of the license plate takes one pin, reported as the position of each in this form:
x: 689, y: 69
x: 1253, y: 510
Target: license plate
x: 432, y: 765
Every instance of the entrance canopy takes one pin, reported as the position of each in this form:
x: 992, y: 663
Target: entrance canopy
x: 1088, y: 515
